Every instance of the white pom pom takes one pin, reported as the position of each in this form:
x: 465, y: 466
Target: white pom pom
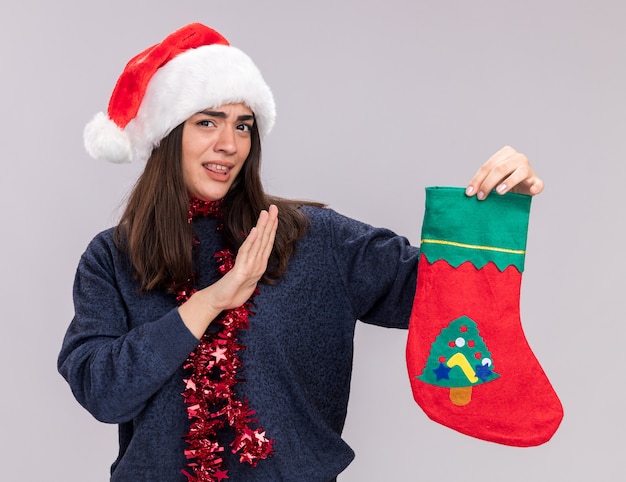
x: 104, y: 140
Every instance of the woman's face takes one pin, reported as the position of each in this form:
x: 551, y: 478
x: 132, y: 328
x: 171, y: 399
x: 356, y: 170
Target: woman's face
x: 216, y: 143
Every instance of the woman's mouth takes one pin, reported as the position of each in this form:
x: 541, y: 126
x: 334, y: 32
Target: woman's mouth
x: 218, y: 172
x: 219, y: 168
x: 216, y: 168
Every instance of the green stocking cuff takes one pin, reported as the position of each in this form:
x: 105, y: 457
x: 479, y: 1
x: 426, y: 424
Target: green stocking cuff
x: 459, y: 228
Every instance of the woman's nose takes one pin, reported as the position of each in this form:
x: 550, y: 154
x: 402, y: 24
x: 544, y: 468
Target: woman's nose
x: 226, y: 141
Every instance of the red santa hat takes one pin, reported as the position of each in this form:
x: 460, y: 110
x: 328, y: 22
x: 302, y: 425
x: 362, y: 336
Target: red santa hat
x: 194, y: 68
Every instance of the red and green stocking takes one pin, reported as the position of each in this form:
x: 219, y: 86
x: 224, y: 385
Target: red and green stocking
x: 470, y: 366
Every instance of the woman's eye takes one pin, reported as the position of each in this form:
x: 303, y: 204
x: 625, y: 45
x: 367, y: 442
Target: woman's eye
x: 206, y: 123
x: 244, y: 127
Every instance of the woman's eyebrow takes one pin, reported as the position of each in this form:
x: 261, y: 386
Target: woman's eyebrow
x: 213, y: 113
x: 222, y: 115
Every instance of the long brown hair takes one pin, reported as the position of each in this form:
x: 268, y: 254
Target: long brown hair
x: 154, y: 228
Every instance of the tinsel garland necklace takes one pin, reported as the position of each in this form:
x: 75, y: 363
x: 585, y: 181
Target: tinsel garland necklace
x: 209, y: 393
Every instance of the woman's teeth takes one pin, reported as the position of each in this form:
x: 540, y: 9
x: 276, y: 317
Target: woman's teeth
x: 217, y: 167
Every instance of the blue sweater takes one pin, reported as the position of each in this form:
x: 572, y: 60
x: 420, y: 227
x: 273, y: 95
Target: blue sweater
x: 123, y: 352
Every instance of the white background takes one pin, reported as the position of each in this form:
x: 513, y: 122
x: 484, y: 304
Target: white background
x: 376, y: 100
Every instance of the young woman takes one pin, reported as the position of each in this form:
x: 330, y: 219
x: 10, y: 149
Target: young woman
x: 215, y: 323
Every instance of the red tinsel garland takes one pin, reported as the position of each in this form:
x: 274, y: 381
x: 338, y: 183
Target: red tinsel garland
x: 209, y: 394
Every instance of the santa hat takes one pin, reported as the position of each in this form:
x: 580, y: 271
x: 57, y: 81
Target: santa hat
x: 193, y: 69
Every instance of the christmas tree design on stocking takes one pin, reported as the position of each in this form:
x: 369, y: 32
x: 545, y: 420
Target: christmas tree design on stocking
x: 470, y: 366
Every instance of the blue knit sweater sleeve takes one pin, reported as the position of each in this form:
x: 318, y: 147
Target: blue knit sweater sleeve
x: 113, y: 367
x: 378, y: 270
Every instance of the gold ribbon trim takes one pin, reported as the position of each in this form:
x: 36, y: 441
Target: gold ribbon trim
x: 474, y: 246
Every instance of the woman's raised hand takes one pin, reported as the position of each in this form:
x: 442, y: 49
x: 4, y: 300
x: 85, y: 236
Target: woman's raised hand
x: 236, y: 286
x: 239, y: 283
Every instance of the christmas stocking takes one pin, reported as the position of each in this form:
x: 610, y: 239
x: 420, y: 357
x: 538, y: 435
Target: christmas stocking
x: 470, y: 366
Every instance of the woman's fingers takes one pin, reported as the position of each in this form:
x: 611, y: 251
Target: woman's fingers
x: 269, y: 234
x: 507, y: 170
x: 257, y: 247
x: 251, y: 262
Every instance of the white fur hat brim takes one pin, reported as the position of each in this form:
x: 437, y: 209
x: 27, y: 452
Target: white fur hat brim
x: 196, y: 79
